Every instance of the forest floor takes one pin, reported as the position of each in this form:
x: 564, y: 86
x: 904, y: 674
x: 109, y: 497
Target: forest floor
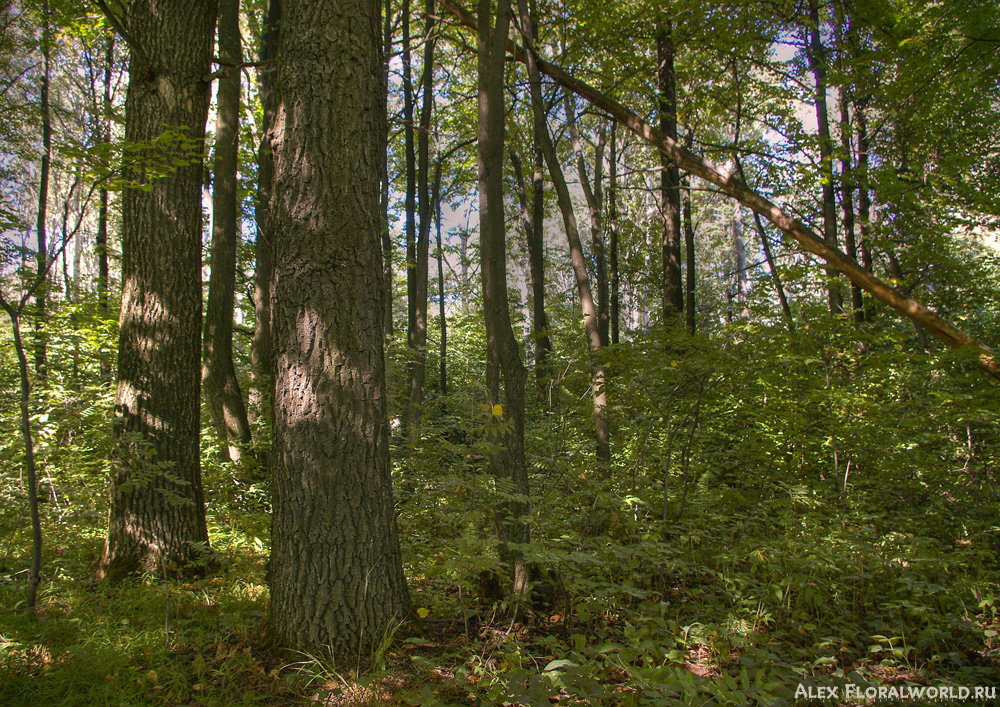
x: 723, y: 610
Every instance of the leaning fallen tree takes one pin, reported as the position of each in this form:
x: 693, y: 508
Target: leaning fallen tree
x: 721, y: 178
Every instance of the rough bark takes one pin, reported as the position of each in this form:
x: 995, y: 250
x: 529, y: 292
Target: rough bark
x: 817, y: 64
x: 503, y: 356
x: 336, y: 574
x: 418, y: 353
x: 157, y: 511
x: 223, y: 397
x: 670, y: 205
x: 579, y: 264
x: 725, y: 181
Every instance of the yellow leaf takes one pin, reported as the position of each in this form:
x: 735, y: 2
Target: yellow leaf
x: 498, y: 410
x: 423, y: 613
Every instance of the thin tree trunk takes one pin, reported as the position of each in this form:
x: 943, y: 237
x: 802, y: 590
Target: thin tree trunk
x: 35, y: 572
x: 577, y: 259
x: 817, y: 64
x: 864, y: 196
x: 101, y: 241
x: 410, y: 216
x: 222, y: 389
x: 386, y: 236
x: 594, y: 196
x: 157, y: 513
x: 532, y: 224
x: 418, y: 364
x: 443, y: 350
x: 503, y: 357
x: 41, y: 255
x: 689, y: 286
x: 673, y: 296
x: 336, y: 576
x: 261, y: 357
x: 615, y: 294
x: 543, y: 344
x: 847, y: 182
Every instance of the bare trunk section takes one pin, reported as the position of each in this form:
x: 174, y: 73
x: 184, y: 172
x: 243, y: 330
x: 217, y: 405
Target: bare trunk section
x: 543, y: 345
x: 41, y: 255
x: 336, y: 575
x: 410, y: 215
x: 386, y: 236
x: 864, y: 196
x: 847, y: 185
x: 418, y: 343
x: 817, y: 64
x: 503, y: 357
x: 531, y: 221
x: 594, y: 195
x: 443, y: 345
x: 670, y: 205
x: 577, y: 259
x: 740, y: 251
x: 101, y: 240
x: 614, y: 306
x: 222, y: 389
x: 157, y: 509
x: 721, y: 178
x: 689, y: 286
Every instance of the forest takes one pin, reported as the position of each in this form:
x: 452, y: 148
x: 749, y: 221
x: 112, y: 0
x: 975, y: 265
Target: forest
x: 517, y: 352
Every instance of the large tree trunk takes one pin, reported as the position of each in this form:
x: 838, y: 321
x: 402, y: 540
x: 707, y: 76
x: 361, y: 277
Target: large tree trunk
x: 817, y: 63
x: 590, y: 320
x: 670, y: 198
x: 157, y: 510
x: 336, y: 574
x: 503, y: 356
x: 418, y: 363
x: 222, y: 389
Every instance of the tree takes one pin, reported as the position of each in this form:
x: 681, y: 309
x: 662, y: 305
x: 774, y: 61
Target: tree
x: 670, y: 198
x: 418, y: 339
x: 582, y: 277
x: 816, y: 53
x: 503, y: 357
x: 157, y: 508
x: 223, y: 397
x: 336, y: 574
